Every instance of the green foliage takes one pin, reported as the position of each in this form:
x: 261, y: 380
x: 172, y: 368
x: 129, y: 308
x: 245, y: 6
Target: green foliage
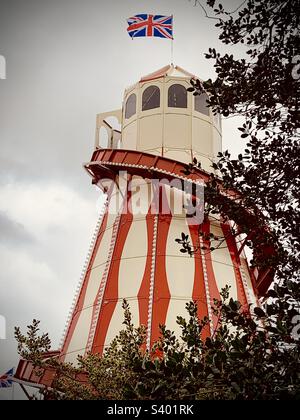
x: 243, y: 359
x: 32, y: 344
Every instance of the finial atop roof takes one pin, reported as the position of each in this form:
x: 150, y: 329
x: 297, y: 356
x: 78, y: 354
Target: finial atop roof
x: 169, y: 70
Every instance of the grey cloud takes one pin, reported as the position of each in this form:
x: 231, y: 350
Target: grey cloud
x: 13, y: 232
x: 12, y: 170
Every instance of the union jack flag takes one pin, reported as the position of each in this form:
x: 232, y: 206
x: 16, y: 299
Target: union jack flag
x: 150, y: 25
x: 5, y: 380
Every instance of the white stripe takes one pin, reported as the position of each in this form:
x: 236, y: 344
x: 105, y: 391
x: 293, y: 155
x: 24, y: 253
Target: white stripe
x: 152, y: 279
x: 208, y: 298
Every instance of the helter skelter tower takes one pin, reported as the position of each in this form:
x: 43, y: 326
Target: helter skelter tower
x: 134, y: 254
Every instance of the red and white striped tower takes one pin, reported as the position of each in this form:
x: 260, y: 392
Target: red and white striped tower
x: 134, y: 254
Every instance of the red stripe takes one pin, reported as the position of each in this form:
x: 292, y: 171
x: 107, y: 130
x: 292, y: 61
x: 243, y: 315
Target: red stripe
x: 231, y: 243
x: 165, y: 25
x: 199, y: 293
x: 143, y: 294
x: 150, y: 26
x: 252, y: 279
x: 161, y: 289
x: 111, y: 293
x: 136, y: 26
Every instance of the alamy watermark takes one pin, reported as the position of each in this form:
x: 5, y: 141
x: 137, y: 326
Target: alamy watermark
x: 2, y: 67
x: 2, y: 327
x: 137, y: 196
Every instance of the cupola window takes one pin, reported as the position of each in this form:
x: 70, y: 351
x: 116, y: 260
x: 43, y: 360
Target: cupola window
x: 177, y: 97
x: 151, y: 98
x: 201, y: 104
x: 130, y: 108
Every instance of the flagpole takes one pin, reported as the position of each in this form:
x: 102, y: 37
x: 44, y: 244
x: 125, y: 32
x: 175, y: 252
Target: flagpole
x: 172, y: 44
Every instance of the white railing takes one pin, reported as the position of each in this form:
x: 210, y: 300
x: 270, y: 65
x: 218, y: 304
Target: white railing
x: 114, y: 135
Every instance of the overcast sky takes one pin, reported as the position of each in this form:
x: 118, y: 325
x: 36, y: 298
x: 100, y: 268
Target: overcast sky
x: 68, y: 60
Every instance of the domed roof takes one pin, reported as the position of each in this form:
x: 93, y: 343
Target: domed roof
x: 169, y: 70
